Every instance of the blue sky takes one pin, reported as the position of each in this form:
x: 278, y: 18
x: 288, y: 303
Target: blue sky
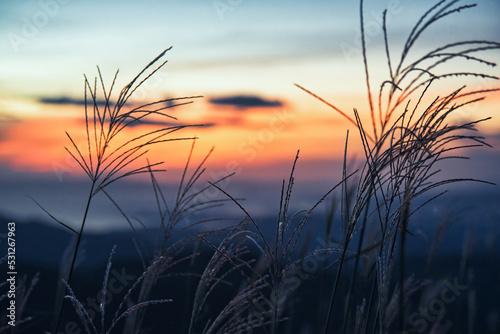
x: 218, y: 45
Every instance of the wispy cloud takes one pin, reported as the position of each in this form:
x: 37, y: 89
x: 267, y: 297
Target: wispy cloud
x: 245, y: 101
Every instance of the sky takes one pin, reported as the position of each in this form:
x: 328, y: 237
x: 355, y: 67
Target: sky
x: 243, y: 57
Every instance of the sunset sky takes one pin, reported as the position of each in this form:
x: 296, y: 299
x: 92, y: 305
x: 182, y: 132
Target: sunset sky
x: 243, y: 57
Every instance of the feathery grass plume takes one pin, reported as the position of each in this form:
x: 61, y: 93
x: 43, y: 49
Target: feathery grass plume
x: 174, y: 220
x: 82, y: 313
x: 273, y: 285
x: 120, y: 313
x: 102, y: 302
x: 360, y: 323
x: 225, y: 260
x: 384, y: 272
x: 392, y: 307
x: 243, y: 313
x: 407, y: 141
x: 108, y: 155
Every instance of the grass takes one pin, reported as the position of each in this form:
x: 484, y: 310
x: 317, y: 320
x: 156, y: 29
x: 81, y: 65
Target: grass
x: 106, y: 158
x: 255, y: 282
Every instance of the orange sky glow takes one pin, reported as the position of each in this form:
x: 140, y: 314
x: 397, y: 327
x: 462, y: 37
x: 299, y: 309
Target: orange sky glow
x: 257, y: 136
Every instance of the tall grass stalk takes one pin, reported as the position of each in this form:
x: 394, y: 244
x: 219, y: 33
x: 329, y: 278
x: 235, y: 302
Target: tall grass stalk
x: 403, y: 147
x: 279, y: 255
x: 173, y: 220
x: 120, y: 313
x: 107, y: 156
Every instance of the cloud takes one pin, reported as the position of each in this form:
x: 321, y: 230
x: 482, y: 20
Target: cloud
x: 165, y: 124
x: 64, y: 100
x: 245, y: 101
x: 151, y: 122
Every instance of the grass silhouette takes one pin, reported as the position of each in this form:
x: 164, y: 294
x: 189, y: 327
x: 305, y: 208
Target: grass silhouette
x: 401, y: 155
x: 361, y: 274
x: 107, y: 157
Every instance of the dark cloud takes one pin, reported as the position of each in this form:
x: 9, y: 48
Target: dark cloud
x: 164, y: 124
x: 64, y: 100
x: 245, y: 101
x: 151, y: 122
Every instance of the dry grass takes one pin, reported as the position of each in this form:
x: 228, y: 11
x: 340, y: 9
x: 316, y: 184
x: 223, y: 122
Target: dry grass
x: 408, y: 134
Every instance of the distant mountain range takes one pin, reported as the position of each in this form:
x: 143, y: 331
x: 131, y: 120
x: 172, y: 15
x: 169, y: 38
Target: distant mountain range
x: 43, y: 243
